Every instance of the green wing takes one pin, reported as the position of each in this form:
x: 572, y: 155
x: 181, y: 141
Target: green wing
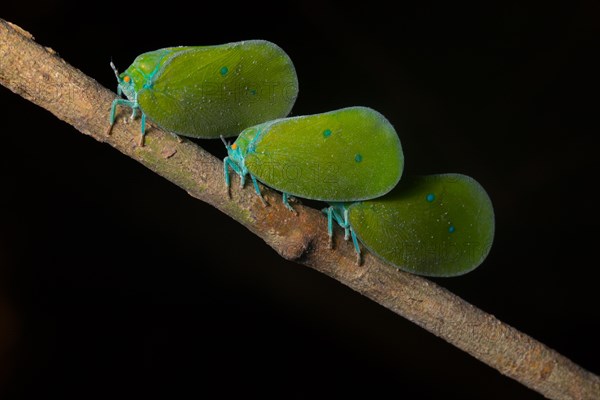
x: 437, y: 225
x: 209, y: 91
x: 344, y: 155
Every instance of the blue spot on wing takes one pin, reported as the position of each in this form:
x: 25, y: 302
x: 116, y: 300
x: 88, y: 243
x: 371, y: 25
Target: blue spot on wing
x: 224, y: 71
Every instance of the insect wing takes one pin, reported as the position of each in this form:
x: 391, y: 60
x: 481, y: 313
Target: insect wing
x: 210, y: 91
x: 437, y: 225
x: 344, y: 155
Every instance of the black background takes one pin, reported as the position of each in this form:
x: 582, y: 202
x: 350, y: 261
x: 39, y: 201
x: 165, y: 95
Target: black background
x: 114, y: 283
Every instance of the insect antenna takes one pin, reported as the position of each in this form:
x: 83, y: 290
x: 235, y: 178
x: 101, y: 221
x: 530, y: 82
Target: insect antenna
x: 225, y: 142
x: 112, y: 65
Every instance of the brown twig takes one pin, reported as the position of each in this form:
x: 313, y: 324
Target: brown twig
x: 39, y: 75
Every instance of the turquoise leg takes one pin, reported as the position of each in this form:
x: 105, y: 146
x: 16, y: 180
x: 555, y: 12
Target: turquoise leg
x: 143, y: 137
x: 346, y: 225
x: 119, y: 102
x: 226, y: 171
x: 356, y: 247
x: 235, y: 167
x: 355, y: 241
x: 255, y: 183
x: 330, y: 226
x: 329, y: 221
x: 257, y: 189
x: 342, y: 222
x: 228, y: 163
x: 286, y: 203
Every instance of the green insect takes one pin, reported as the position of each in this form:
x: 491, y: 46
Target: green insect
x: 344, y: 155
x: 208, y: 91
x: 436, y: 225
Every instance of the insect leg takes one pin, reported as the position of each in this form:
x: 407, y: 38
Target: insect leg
x: 236, y: 168
x: 257, y: 189
x: 336, y: 216
x: 346, y: 225
x: 356, y: 246
x: 330, y: 225
x: 287, y: 204
x: 119, y: 102
x: 226, y: 163
x: 329, y: 212
x: 142, y: 138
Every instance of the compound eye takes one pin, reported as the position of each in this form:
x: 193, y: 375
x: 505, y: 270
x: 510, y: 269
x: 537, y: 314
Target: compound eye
x: 234, y: 146
x: 127, y: 79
